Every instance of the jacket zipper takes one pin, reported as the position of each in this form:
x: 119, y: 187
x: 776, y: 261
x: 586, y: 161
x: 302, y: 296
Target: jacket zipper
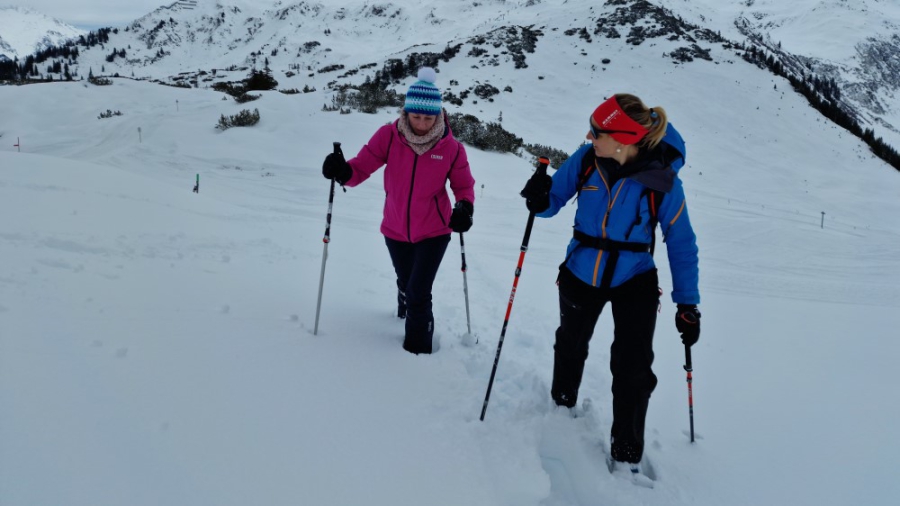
x: 602, y: 225
x: 637, y: 221
x: 437, y: 207
x: 412, y: 182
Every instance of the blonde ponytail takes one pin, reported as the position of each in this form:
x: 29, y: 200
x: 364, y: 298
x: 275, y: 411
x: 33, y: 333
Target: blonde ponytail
x: 653, y: 119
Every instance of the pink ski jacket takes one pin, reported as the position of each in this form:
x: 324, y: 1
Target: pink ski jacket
x: 417, y: 205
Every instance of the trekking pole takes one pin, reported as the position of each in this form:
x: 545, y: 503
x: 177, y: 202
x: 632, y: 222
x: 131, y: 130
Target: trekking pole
x: 690, y: 380
x: 326, y: 240
x: 462, y: 252
x: 541, y: 169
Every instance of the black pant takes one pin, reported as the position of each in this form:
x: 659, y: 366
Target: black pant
x: 635, y: 304
x: 416, y: 265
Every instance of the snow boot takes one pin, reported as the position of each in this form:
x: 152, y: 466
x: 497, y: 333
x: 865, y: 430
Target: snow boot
x: 419, y: 340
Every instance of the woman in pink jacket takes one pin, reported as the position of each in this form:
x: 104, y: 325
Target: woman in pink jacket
x: 420, y: 155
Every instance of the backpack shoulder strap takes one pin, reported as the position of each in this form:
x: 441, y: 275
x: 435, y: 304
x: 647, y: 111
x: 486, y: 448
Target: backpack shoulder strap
x: 654, y: 200
x: 588, y: 165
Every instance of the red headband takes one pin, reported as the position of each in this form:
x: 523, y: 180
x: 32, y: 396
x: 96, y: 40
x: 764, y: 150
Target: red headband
x: 610, y: 117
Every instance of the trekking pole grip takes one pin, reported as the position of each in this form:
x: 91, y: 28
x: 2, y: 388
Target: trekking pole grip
x: 543, y: 162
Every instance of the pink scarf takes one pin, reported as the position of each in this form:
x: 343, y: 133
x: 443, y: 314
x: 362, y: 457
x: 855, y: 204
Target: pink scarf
x: 421, y: 143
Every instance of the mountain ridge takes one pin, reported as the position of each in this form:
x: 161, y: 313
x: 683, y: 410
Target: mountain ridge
x: 24, y: 31
x: 308, y: 45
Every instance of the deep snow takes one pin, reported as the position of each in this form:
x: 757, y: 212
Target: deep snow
x: 156, y: 345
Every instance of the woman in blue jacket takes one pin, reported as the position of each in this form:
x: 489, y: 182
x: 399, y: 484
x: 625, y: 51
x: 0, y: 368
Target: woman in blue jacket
x: 626, y: 181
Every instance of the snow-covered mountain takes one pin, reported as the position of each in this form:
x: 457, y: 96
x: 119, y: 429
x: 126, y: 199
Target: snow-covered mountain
x: 854, y: 42
x: 24, y: 31
x: 328, y: 45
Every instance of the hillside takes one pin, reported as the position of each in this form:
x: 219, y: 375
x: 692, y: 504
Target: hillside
x: 314, y: 46
x: 24, y: 31
x: 156, y: 345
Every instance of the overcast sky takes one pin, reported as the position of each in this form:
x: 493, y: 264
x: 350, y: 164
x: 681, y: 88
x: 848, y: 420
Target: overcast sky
x: 91, y: 14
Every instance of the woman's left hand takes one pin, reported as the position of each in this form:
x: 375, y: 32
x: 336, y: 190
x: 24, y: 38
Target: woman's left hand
x: 461, y: 218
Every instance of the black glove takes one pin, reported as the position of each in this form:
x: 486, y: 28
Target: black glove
x: 335, y: 167
x: 537, y: 192
x: 461, y: 218
x: 687, y: 321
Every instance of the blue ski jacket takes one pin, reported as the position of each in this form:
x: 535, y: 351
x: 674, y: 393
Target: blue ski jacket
x: 621, y: 212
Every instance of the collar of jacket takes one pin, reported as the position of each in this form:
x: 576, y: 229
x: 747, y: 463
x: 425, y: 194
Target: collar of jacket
x: 651, y: 168
x: 446, y: 134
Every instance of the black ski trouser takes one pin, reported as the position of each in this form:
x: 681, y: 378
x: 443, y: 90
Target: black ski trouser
x: 416, y: 265
x: 635, y: 304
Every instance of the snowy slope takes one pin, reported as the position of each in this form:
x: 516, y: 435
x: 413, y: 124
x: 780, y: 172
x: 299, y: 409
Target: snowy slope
x: 825, y: 29
x: 853, y: 42
x: 329, y: 45
x: 156, y: 346
x: 24, y: 31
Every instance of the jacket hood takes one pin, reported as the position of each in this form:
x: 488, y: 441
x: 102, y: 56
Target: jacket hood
x: 652, y: 169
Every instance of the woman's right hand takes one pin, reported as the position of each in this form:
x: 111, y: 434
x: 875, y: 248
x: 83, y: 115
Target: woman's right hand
x: 336, y: 168
x: 537, y: 192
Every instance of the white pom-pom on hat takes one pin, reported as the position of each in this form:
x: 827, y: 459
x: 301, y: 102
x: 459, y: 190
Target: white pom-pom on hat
x: 427, y: 74
x: 423, y: 96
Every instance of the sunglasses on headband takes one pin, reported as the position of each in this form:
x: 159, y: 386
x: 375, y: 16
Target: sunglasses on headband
x: 595, y: 132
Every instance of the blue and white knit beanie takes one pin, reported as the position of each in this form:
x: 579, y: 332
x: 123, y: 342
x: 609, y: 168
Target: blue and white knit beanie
x: 423, y: 96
